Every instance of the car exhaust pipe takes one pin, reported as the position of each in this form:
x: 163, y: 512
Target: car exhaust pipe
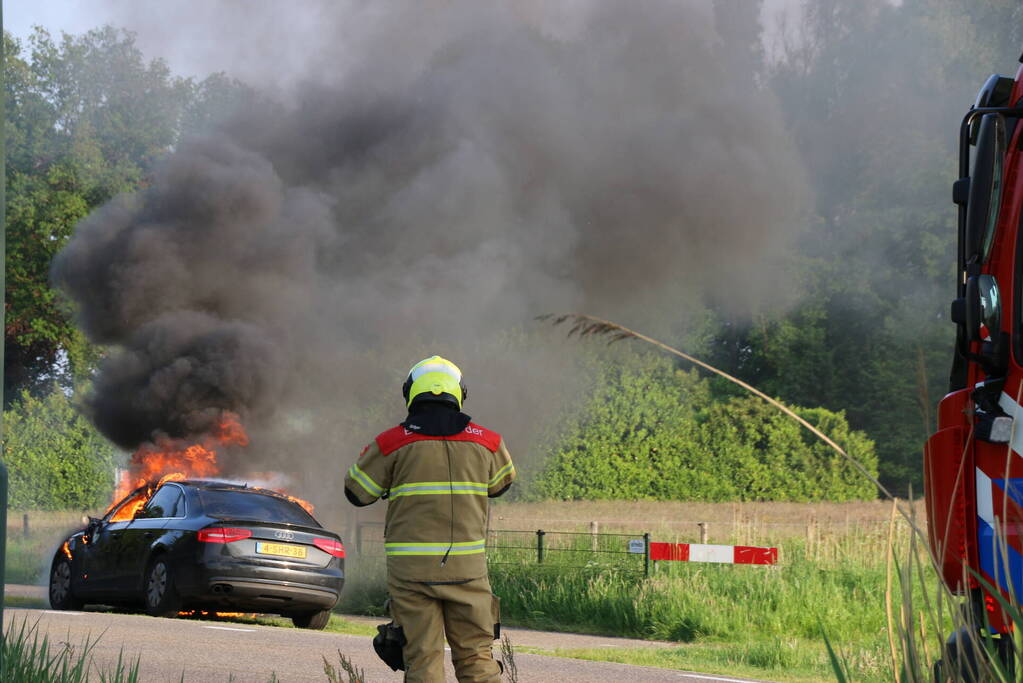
x: 219, y: 588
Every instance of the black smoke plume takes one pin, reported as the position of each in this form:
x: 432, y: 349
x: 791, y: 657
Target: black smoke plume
x: 438, y: 175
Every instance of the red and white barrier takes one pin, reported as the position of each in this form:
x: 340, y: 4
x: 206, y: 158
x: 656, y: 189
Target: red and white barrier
x: 723, y: 554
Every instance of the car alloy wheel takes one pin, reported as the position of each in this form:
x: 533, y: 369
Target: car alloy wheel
x: 156, y: 587
x: 161, y: 596
x: 60, y: 582
x: 61, y: 594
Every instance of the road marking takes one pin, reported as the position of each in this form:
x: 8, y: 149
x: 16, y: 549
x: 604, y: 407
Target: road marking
x: 70, y: 614
x: 718, y: 678
x: 228, y: 628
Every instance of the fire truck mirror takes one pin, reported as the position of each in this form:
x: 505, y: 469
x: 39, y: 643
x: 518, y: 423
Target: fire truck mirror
x: 983, y: 308
x: 985, y: 188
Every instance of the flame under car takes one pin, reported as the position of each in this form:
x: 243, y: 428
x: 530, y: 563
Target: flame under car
x: 204, y: 545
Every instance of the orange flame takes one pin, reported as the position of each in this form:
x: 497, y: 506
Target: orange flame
x: 67, y: 549
x: 174, y: 459
x: 306, y: 505
x: 170, y: 459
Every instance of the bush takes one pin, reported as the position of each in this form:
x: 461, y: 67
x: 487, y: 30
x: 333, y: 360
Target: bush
x: 653, y: 431
x: 56, y: 458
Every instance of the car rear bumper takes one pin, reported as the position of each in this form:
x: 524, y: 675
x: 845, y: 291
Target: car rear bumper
x: 260, y: 588
x: 269, y: 596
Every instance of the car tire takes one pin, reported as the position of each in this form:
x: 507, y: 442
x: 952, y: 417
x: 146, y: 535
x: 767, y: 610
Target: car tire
x: 62, y: 595
x: 160, y: 593
x: 313, y: 620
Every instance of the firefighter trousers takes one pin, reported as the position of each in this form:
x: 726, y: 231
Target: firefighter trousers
x: 465, y: 612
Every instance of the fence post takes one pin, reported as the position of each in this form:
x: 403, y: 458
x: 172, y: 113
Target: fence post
x: 24, y: 525
x: 703, y: 531
x: 646, y: 555
x: 539, y: 545
x: 594, y: 528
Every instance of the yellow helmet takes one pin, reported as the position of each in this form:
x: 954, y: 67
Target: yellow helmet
x: 437, y: 376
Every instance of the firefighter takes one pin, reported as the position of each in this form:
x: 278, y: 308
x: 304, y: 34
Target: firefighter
x: 437, y: 469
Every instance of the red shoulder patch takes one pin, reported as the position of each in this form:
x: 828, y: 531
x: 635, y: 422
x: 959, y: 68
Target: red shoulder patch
x: 396, y: 437
x: 481, y: 435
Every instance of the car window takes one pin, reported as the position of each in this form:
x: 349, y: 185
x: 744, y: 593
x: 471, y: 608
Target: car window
x: 179, y: 507
x: 163, y: 503
x: 125, y: 510
x: 234, y: 504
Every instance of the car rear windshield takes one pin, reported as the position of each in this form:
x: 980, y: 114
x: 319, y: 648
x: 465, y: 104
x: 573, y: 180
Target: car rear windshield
x: 225, y: 504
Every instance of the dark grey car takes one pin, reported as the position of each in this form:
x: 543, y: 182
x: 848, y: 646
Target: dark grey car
x: 204, y: 545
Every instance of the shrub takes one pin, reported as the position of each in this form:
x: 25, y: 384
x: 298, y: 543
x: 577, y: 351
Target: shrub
x: 56, y: 458
x: 653, y: 431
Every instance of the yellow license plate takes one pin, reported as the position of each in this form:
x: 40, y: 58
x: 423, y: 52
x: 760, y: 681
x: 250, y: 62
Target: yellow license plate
x: 282, y: 549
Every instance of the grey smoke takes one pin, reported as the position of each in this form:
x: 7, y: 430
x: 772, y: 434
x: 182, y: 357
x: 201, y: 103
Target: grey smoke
x: 443, y: 173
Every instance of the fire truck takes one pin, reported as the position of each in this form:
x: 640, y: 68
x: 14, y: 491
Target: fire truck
x: 973, y: 463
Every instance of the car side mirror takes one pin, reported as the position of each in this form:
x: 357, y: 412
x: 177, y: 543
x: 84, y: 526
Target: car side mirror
x: 93, y: 525
x: 983, y: 308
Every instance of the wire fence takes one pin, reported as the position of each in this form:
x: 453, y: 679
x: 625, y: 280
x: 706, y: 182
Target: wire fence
x: 556, y: 549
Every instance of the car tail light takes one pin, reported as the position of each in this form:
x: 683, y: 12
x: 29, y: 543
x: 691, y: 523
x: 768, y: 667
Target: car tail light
x: 329, y: 545
x: 222, y: 535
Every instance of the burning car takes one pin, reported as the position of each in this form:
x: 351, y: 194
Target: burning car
x: 204, y: 545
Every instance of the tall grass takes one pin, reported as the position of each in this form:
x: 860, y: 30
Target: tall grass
x: 767, y: 618
x: 919, y: 621
x: 30, y: 657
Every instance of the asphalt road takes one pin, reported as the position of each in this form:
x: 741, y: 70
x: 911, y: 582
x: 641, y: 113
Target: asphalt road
x: 222, y: 651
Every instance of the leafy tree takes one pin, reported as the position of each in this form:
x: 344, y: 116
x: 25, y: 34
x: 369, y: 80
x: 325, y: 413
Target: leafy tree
x: 86, y: 118
x: 56, y: 458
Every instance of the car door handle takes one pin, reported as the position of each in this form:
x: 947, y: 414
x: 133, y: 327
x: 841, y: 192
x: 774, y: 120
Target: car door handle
x: 149, y: 534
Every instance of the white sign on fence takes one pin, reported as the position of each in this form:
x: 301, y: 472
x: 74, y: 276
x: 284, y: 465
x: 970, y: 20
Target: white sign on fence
x: 637, y: 546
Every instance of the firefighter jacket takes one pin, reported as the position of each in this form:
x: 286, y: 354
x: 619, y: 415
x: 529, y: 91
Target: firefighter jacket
x: 437, y: 488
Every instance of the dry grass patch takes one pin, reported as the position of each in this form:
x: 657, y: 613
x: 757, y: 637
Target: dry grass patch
x: 727, y: 522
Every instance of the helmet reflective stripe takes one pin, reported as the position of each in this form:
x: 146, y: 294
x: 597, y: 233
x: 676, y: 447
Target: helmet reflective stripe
x: 417, y: 548
x: 435, y: 364
x: 439, y: 488
x: 437, y: 376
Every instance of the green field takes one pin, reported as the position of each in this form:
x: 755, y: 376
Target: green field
x: 745, y: 620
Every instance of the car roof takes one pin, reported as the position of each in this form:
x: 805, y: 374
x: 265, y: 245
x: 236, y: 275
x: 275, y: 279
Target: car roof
x: 221, y: 484
x: 212, y: 484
